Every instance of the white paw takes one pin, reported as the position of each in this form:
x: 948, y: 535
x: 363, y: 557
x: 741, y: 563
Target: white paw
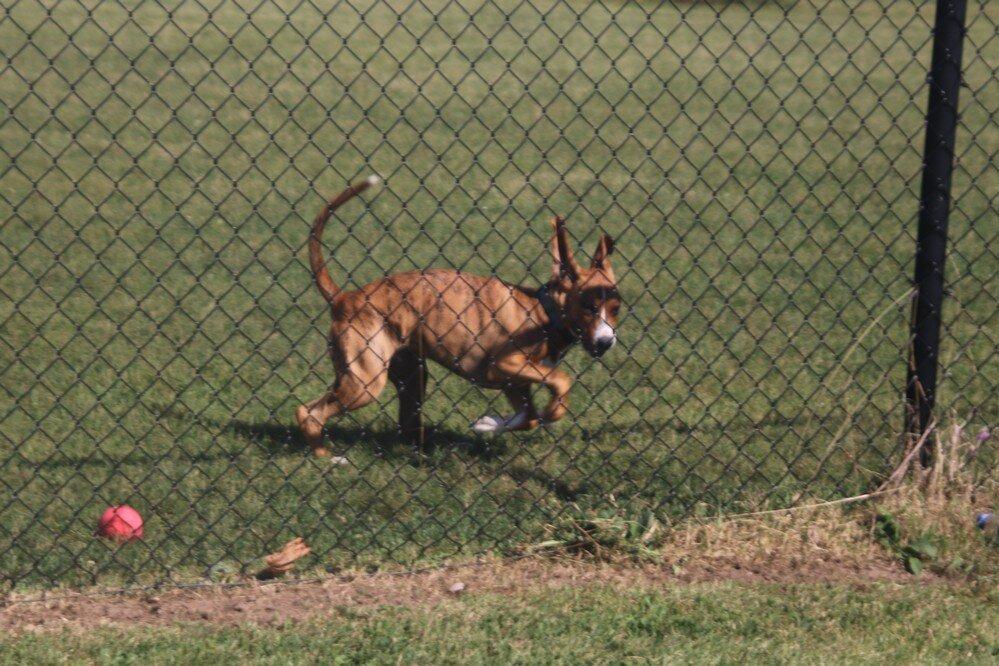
x: 487, y: 424
x: 499, y: 423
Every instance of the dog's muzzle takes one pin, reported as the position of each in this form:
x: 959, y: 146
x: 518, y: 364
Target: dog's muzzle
x: 601, y: 345
x: 603, y: 339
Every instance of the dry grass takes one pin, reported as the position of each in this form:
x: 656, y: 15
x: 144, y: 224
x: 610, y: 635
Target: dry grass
x: 780, y: 540
x: 938, y: 503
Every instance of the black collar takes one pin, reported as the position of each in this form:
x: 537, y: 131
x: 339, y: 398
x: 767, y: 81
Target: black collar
x: 555, y: 328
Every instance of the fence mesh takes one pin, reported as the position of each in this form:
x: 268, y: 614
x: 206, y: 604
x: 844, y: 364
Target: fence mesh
x: 757, y: 164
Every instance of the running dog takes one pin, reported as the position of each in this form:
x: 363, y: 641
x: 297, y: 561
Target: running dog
x: 494, y: 334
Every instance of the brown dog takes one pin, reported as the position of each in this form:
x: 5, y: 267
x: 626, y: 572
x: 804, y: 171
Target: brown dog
x: 497, y: 335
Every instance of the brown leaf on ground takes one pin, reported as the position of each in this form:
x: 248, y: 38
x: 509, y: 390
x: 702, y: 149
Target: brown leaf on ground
x: 281, y: 562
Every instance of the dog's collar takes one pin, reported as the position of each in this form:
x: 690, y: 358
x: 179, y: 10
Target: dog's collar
x: 556, y: 325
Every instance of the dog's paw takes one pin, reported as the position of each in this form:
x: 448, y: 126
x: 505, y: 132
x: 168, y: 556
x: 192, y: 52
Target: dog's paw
x: 499, y: 423
x: 488, y: 424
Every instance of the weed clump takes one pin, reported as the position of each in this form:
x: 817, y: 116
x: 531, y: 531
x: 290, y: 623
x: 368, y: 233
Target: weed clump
x: 919, y: 518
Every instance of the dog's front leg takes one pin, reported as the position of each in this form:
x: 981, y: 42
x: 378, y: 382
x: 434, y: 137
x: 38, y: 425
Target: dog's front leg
x: 518, y: 371
x: 525, y: 416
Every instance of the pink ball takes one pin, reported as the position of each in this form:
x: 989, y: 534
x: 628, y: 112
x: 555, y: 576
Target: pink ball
x: 120, y: 523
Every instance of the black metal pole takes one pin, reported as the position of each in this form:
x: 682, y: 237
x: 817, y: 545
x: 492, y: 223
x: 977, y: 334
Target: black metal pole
x: 934, y: 206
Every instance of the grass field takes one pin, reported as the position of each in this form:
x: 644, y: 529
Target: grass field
x: 717, y: 623
x: 759, y: 168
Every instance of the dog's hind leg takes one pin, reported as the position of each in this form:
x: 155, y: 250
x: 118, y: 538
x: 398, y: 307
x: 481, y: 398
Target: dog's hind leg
x: 357, y: 384
x: 408, y: 373
x: 312, y: 416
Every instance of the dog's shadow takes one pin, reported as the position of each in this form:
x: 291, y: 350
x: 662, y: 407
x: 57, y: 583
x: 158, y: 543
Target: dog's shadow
x: 384, y: 442
x: 439, y: 444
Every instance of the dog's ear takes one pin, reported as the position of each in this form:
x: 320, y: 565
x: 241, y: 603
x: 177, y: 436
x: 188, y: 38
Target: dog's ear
x: 565, y: 265
x: 556, y: 262
x: 605, y: 248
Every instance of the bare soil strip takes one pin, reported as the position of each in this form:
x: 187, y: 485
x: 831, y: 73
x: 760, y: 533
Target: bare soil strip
x: 277, y: 603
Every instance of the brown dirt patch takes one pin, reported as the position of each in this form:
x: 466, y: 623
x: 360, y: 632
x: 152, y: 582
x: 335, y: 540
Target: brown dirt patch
x: 276, y: 603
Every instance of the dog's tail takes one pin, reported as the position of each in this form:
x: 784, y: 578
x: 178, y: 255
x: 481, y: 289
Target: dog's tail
x: 323, y: 280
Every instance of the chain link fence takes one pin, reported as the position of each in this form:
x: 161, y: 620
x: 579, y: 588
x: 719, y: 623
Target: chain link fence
x: 757, y: 164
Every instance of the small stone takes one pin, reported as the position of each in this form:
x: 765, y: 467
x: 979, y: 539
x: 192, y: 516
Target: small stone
x: 456, y: 588
x: 339, y: 460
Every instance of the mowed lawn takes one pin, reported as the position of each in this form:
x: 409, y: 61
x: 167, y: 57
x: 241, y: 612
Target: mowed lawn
x: 758, y: 166
x: 707, y: 623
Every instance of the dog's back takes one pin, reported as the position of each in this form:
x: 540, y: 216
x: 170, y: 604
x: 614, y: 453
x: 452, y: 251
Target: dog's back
x: 458, y: 319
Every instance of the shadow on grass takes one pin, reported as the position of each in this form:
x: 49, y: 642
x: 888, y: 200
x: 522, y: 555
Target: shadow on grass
x: 274, y: 438
x: 552, y: 484
x: 281, y: 438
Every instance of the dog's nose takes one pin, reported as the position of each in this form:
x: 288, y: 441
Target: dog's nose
x: 602, y: 344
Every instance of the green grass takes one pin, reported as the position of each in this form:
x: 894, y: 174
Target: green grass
x: 760, y: 173
x: 698, y: 624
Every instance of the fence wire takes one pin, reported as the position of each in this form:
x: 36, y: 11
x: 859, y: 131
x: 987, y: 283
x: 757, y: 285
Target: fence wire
x: 757, y: 166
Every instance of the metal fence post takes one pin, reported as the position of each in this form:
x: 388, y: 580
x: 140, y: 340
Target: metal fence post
x: 931, y: 241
